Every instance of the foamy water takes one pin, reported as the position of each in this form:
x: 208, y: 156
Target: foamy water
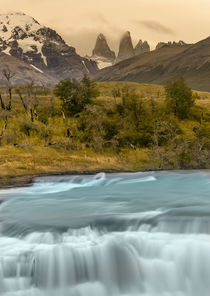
x: 117, y: 234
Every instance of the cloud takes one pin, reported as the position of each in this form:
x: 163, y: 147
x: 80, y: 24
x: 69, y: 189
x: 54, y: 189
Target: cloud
x: 99, y: 18
x: 84, y: 38
x: 156, y: 27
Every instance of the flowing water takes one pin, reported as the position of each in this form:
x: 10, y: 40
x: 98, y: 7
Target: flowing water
x: 107, y: 235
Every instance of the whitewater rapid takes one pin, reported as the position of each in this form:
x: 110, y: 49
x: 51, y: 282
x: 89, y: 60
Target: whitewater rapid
x: 144, y: 234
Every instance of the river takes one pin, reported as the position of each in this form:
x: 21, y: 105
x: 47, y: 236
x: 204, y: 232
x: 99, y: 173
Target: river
x: 127, y: 234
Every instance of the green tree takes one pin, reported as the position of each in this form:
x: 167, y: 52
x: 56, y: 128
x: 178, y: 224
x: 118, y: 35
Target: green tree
x: 91, y: 126
x: 179, y: 98
x: 76, y: 95
x: 89, y: 87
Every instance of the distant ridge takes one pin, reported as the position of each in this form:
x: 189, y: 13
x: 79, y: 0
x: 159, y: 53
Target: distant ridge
x: 168, y: 62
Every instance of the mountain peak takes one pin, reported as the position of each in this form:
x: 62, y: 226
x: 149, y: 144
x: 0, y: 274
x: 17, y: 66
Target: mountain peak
x: 126, y: 34
x: 101, y: 37
x: 141, y: 47
x: 102, y: 48
x: 10, y: 21
x: 126, y: 49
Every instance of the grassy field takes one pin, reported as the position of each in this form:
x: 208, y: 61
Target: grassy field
x: 147, y: 91
x: 45, y: 150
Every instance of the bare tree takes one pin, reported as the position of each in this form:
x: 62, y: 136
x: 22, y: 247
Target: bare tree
x: 6, y: 107
x: 33, y: 101
x: 2, y: 103
x: 23, y: 101
x: 29, y: 100
x: 8, y: 75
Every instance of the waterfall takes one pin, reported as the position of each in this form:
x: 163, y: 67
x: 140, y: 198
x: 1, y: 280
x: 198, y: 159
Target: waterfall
x: 126, y: 234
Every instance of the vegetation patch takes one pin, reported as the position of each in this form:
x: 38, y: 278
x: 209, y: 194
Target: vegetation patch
x: 84, y: 126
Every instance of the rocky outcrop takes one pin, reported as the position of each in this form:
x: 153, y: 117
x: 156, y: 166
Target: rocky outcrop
x: 105, y: 57
x: 24, y: 38
x: 141, y: 47
x: 102, y: 48
x: 126, y: 49
x: 162, y: 44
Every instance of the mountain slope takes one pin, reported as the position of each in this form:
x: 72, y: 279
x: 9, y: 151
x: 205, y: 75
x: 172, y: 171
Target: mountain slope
x: 23, y: 72
x: 24, y: 38
x: 141, y: 68
x: 161, y: 65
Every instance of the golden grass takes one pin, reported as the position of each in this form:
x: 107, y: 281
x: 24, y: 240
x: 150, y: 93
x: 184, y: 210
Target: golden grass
x: 146, y: 91
x: 17, y: 163
x: 22, y: 164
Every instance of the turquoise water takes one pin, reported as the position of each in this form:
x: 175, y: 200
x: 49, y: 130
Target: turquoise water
x: 110, y: 234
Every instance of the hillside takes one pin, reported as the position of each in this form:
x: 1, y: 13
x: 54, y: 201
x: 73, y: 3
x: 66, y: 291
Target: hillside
x: 23, y: 72
x: 166, y: 63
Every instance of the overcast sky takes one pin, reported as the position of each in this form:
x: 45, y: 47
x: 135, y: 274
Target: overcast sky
x: 80, y: 21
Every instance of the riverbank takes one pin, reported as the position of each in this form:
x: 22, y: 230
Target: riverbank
x: 18, y: 167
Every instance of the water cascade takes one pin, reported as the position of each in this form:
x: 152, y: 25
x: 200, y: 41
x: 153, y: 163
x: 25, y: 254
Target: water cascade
x: 144, y: 234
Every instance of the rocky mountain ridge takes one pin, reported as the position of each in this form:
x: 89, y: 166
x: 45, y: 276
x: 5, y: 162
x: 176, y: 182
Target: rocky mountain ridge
x: 21, y: 36
x: 170, y: 43
x: 105, y: 57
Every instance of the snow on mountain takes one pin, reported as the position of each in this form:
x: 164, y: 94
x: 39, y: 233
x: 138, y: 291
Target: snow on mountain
x: 10, y: 21
x: 102, y: 62
x: 36, y: 68
x: 23, y: 28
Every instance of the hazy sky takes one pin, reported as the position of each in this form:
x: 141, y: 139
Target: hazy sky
x: 80, y: 21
